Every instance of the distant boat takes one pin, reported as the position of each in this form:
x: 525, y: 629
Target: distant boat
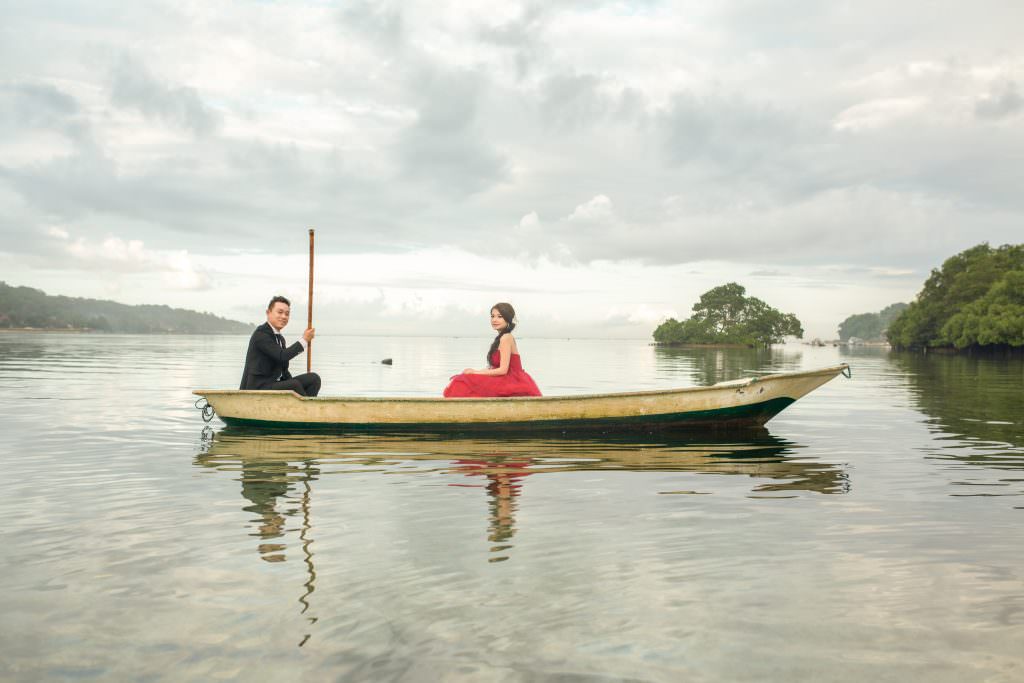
x: 741, y: 402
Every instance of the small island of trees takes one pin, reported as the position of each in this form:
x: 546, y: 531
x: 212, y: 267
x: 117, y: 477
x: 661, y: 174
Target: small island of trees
x: 724, y: 316
x: 974, y: 301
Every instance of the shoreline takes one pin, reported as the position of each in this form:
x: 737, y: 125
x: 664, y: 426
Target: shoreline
x: 88, y: 330
x: 65, y: 330
x: 703, y: 346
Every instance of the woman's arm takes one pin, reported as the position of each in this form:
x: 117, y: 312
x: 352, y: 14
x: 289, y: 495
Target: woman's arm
x: 505, y: 351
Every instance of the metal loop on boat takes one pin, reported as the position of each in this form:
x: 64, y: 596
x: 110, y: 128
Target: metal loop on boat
x: 847, y: 373
x: 206, y: 408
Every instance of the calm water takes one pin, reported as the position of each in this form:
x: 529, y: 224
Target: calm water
x: 872, y: 532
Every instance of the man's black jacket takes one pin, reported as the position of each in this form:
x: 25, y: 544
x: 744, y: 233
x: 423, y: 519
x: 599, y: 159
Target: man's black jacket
x: 265, y: 361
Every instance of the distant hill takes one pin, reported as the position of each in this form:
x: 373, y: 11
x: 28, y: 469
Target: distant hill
x: 22, y: 307
x: 870, y: 326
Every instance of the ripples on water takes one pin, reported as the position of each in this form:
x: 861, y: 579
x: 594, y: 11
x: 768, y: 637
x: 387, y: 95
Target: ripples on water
x: 873, y: 530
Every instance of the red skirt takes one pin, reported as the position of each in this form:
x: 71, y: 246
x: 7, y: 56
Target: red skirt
x: 515, y: 383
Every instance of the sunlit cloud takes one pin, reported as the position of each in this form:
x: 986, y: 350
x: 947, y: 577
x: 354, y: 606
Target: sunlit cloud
x: 116, y: 255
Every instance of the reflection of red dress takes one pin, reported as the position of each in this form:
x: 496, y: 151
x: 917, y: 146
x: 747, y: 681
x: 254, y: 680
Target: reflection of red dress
x: 515, y: 383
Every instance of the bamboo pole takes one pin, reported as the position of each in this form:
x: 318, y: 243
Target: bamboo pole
x: 309, y: 307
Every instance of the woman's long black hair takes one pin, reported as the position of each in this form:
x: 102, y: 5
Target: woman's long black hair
x: 509, y: 314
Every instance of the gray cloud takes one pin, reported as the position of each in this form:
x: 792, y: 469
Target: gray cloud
x: 443, y: 147
x: 732, y: 132
x: 729, y: 133
x: 571, y: 103
x: 376, y: 22
x: 36, y: 104
x: 1003, y: 102
x: 42, y: 106
x: 522, y: 36
x: 521, y: 31
x: 133, y: 86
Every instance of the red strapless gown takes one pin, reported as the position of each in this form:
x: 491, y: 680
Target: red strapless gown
x: 515, y: 383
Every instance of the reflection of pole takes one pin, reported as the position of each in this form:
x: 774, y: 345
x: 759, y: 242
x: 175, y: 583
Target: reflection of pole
x: 307, y: 555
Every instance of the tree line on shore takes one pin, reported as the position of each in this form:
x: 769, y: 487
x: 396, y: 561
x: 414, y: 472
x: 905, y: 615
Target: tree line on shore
x: 975, y: 300
x: 25, y: 307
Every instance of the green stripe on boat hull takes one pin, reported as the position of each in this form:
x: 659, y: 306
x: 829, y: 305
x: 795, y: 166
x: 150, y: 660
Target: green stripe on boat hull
x: 753, y: 415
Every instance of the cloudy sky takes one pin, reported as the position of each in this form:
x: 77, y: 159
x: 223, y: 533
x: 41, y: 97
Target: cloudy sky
x: 598, y: 164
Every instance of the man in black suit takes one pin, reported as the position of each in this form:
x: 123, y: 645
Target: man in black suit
x: 266, y: 361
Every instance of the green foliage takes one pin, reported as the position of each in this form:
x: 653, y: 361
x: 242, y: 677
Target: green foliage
x: 996, y: 318
x: 974, y: 299
x: 724, y: 315
x: 870, y: 326
x: 669, y: 332
x: 27, y: 307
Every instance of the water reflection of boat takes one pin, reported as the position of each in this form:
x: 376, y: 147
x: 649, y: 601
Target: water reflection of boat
x: 753, y: 452
x: 748, y: 401
x: 277, y: 473
x: 271, y: 465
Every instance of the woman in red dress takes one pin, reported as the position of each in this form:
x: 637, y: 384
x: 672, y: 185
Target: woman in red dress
x: 504, y: 375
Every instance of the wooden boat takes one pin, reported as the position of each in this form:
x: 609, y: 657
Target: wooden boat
x: 742, y: 402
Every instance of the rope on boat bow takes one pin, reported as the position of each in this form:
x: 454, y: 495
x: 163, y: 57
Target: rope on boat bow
x: 847, y: 372
x: 206, y: 408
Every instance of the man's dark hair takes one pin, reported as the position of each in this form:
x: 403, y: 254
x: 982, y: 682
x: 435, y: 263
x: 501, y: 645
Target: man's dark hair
x: 279, y: 299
